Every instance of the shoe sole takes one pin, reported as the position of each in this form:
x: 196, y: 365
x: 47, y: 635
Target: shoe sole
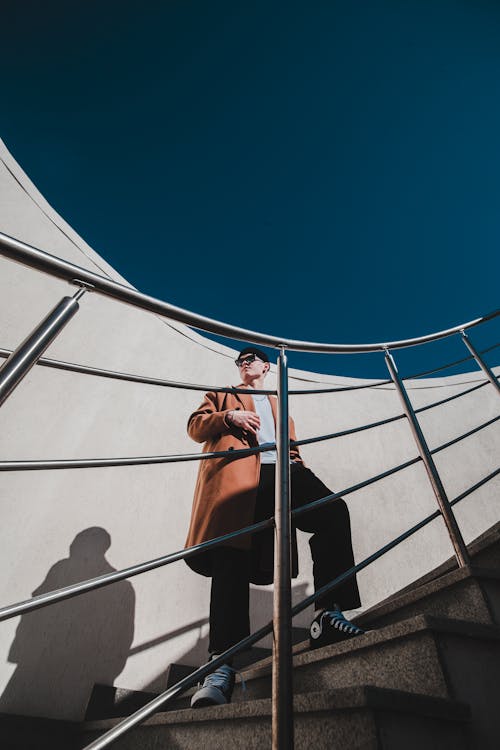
x: 208, y: 696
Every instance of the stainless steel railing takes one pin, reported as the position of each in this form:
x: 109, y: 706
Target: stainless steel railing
x: 166, y: 697
x: 88, y: 463
x: 41, y: 261
x: 29, y: 353
x: 82, y: 587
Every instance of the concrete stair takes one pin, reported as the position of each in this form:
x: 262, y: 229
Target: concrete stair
x: 427, y: 671
x: 426, y: 674
x: 452, y: 659
x: 359, y: 718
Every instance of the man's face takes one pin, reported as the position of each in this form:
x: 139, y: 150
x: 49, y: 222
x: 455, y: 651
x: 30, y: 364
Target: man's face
x: 251, y: 368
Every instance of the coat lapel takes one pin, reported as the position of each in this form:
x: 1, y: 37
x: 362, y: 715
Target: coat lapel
x: 245, y: 399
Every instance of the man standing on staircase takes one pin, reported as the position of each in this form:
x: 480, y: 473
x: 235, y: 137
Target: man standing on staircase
x: 233, y: 494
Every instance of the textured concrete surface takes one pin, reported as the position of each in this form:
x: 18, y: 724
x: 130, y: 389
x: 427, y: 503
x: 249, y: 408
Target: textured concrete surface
x: 464, y: 594
x: 354, y: 718
x: 405, y: 656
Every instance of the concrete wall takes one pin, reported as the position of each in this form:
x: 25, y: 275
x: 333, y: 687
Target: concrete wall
x: 63, y: 526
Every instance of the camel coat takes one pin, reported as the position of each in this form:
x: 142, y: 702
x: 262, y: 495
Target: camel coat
x: 226, y: 489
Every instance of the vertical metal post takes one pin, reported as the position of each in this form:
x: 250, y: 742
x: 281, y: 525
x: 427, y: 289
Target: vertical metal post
x: 282, y: 701
x: 482, y: 364
x: 20, y: 362
x: 457, y: 540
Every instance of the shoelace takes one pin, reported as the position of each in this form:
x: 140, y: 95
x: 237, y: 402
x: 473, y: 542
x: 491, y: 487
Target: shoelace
x: 222, y: 676
x: 338, y: 621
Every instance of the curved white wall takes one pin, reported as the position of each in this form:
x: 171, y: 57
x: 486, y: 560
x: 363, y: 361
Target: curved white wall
x: 129, y: 633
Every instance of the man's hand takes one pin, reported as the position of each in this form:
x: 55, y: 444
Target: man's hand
x: 248, y: 421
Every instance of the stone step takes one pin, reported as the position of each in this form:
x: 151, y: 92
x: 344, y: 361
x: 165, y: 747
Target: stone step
x: 471, y: 594
x: 439, y: 657
x: 468, y: 593
x: 359, y: 718
x: 108, y: 701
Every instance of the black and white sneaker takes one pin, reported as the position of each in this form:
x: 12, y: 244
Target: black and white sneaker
x: 331, y: 626
x: 217, y: 688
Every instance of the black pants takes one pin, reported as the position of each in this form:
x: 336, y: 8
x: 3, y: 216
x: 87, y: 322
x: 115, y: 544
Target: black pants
x: 331, y: 550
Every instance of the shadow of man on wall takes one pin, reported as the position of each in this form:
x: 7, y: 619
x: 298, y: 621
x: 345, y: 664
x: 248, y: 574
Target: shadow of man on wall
x: 62, y: 650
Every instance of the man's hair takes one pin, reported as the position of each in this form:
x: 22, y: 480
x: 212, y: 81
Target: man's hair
x: 253, y: 350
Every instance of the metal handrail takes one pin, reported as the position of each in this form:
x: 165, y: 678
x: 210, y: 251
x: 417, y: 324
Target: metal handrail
x: 82, y: 587
x: 146, y: 380
x: 28, y: 353
x: 93, y: 463
x: 465, y: 435
x: 450, y: 364
x: 45, y: 262
x: 451, y: 398
x: 88, y: 463
x: 192, y: 679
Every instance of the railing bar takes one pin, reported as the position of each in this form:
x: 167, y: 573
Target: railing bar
x: 436, y: 483
x: 354, y: 488
x: 465, y: 435
x: 475, y: 487
x: 363, y: 564
x: 451, y: 398
x: 338, y: 389
x: 67, y: 592
x: 161, y: 700
x: 107, y: 579
x: 401, y: 538
x: 143, y: 713
x: 343, y: 433
x: 43, y: 600
x: 146, y: 380
x: 32, y: 257
x: 437, y: 369
x: 146, y: 711
x: 143, y: 379
x: 282, y: 735
x: 89, y: 463
x: 451, y: 364
x: 481, y: 363
x: 95, y: 463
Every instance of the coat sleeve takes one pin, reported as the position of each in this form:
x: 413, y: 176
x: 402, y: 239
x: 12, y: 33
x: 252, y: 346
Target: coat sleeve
x: 207, y: 421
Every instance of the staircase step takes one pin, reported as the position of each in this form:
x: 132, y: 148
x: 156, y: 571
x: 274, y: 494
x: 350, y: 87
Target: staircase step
x: 468, y: 593
x: 356, y: 718
x: 438, y: 657
x: 107, y: 701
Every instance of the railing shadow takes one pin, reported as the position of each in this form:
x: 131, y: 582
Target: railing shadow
x: 63, y: 650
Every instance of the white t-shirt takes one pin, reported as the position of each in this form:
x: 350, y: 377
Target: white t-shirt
x: 267, y: 432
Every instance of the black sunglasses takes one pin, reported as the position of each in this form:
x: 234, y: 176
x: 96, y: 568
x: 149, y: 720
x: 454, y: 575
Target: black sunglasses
x: 249, y: 358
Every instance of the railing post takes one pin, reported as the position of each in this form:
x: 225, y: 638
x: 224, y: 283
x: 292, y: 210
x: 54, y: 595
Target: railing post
x: 457, y: 540
x: 282, y: 702
x: 480, y: 361
x: 22, y: 359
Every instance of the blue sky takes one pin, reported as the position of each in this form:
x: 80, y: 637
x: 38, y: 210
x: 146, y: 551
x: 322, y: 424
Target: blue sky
x: 321, y: 170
